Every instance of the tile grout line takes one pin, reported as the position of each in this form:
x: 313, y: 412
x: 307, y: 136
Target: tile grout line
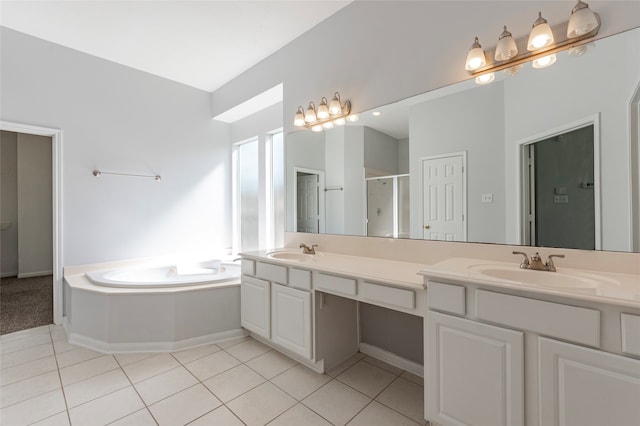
x: 64, y: 395
x: 136, y: 391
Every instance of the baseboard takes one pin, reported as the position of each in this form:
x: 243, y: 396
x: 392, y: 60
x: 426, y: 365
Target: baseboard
x: 9, y: 274
x: 393, y: 359
x: 318, y: 367
x: 109, y: 348
x: 35, y: 274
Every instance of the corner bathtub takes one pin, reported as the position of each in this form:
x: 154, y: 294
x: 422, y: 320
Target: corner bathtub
x: 143, y: 307
x: 178, y: 275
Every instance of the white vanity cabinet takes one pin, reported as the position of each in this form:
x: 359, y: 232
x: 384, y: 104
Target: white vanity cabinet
x: 583, y: 387
x: 519, y: 357
x: 255, y: 302
x: 291, y: 319
x: 475, y: 373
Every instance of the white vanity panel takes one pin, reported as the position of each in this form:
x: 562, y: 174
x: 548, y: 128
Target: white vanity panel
x: 248, y: 267
x: 387, y: 295
x: 584, y: 387
x: 299, y: 278
x: 291, y: 319
x: 255, y: 306
x: 566, y: 322
x: 630, y: 333
x: 335, y: 284
x: 475, y: 373
x: 275, y: 273
x: 446, y: 297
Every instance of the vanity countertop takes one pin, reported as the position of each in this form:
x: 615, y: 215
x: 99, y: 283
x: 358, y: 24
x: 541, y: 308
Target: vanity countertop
x: 396, y: 273
x: 601, y: 287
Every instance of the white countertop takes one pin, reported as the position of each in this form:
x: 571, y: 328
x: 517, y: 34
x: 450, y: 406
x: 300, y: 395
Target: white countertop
x: 396, y: 273
x: 608, y: 287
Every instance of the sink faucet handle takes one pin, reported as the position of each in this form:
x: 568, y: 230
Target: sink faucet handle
x: 525, y: 259
x: 550, y: 265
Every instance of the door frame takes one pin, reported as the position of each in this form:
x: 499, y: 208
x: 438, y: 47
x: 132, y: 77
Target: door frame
x: 465, y: 222
x: 321, y: 191
x: 521, y: 171
x: 56, y: 205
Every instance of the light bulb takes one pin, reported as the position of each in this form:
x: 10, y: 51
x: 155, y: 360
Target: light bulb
x: 353, y: 118
x: 340, y: 122
x: 507, y: 47
x: 323, y: 110
x: 545, y: 61
x: 475, y: 58
x: 485, y: 78
x: 328, y: 125
x: 316, y: 128
x: 310, y: 115
x: 299, y: 119
x: 541, y: 34
x: 583, y: 20
x: 335, y: 107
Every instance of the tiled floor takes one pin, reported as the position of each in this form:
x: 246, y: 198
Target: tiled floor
x: 47, y: 381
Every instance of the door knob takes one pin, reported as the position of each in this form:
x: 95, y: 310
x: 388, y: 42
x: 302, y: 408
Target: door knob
x: 427, y: 227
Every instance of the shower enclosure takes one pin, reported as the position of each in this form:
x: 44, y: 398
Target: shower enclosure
x: 388, y: 206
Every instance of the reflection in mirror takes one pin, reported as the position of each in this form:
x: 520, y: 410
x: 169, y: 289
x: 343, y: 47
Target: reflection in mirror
x: 466, y: 149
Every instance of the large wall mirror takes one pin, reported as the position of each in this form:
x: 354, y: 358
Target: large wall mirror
x: 548, y: 157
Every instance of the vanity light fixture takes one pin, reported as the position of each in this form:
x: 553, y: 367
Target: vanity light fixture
x: 325, y: 117
x: 541, y: 45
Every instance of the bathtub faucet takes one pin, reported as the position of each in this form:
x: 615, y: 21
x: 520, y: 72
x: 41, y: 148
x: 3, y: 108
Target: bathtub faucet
x: 308, y: 250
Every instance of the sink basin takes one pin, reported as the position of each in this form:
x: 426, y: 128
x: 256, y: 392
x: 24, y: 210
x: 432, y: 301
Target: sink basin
x: 557, y: 280
x: 290, y: 255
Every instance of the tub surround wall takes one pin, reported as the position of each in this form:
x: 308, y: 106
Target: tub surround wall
x: 119, y: 119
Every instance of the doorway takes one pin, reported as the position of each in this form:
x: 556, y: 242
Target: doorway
x: 559, y: 191
x: 444, y: 197
x: 56, y: 205
x: 309, y: 200
x: 26, y: 258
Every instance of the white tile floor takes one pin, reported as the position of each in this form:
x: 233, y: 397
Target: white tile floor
x: 47, y: 381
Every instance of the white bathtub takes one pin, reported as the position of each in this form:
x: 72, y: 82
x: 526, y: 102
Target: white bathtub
x: 178, y: 275
x: 152, y: 305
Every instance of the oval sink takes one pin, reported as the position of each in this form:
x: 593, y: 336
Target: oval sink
x: 290, y: 255
x: 558, y: 280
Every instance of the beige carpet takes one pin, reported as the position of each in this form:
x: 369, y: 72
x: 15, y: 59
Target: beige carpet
x: 25, y: 303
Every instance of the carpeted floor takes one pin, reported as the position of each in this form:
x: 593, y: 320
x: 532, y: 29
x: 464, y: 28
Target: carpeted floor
x: 25, y: 303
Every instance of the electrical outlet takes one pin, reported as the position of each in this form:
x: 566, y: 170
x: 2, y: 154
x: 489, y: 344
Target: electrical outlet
x: 560, y: 199
x: 486, y: 198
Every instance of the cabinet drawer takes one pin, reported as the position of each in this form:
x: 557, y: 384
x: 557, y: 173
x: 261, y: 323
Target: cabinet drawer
x: 388, y: 295
x: 271, y: 272
x: 248, y: 267
x: 630, y: 333
x: 335, y: 284
x: 446, y: 297
x: 566, y: 322
x: 299, y: 278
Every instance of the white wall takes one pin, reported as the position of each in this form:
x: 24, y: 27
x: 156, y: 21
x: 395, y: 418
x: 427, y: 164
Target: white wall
x: 9, y: 204
x: 118, y: 119
x: 377, y: 52
x: 380, y: 151
x: 471, y: 121
x: 528, y: 113
x: 35, y: 222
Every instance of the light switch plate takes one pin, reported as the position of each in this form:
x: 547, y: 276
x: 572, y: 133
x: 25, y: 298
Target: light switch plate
x: 486, y: 198
x: 560, y: 199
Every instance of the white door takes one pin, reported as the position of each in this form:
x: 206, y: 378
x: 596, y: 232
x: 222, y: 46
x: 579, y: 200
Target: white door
x: 586, y: 387
x: 476, y: 375
x: 308, y: 217
x: 255, y: 306
x: 291, y: 319
x: 444, y: 196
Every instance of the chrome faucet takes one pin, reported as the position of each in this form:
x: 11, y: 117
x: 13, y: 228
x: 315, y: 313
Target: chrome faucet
x: 536, y: 262
x: 308, y: 250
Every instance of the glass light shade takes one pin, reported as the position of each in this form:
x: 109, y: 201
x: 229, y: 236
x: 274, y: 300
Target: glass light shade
x: 335, y: 107
x: 485, y: 78
x: 316, y: 128
x: 514, y: 70
x: 545, y: 61
x: 323, y: 110
x: 340, y: 122
x: 310, y: 115
x: 475, y: 58
x: 328, y: 125
x: 353, y: 118
x: 299, y: 119
x: 582, y: 20
x: 507, y: 47
x: 541, y: 34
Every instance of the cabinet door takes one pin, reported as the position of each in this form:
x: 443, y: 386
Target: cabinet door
x: 474, y: 373
x: 291, y: 319
x: 255, y: 305
x: 581, y: 386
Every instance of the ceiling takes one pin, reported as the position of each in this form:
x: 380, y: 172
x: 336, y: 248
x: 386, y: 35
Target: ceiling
x: 203, y: 44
